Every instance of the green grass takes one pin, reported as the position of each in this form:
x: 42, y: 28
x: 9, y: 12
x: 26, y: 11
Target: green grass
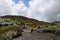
x: 57, y: 30
x: 9, y: 28
x: 51, y: 28
x: 1, y: 20
x: 4, y: 31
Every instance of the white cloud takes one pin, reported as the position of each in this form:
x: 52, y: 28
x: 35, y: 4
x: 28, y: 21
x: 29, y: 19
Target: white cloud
x: 44, y: 10
x: 5, y: 7
x: 8, y: 7
x: 19, y: 9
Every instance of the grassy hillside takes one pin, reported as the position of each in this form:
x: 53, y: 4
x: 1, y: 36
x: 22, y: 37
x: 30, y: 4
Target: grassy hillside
x: 20, y: 18
x: 25, y: 20
x: 30, y: 21
x: 24, y: 24
x: 8, y: 28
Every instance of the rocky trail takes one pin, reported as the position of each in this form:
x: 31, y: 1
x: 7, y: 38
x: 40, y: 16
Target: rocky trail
x: 36, y: 36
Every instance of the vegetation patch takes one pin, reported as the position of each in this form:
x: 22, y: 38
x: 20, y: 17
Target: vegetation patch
x: 52, y: 29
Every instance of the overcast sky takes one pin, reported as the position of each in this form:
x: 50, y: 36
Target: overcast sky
x: 42, y: 10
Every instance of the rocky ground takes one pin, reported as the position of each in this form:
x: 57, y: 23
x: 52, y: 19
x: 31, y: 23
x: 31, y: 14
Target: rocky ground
x: 36, y: 36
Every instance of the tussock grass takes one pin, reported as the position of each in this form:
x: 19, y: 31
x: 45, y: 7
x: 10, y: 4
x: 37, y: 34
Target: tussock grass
x: 56, y: 29
x: 9, y: 28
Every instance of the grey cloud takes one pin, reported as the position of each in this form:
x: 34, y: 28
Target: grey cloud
x: 48, y: 10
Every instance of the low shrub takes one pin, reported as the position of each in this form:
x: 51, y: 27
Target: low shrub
x: 57, y: 30
x: 49, y: 29
x: 52, y: 29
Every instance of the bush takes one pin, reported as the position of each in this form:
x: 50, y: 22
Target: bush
x: 52, y: 29
x: 49, y: 30
x: 57, y: 30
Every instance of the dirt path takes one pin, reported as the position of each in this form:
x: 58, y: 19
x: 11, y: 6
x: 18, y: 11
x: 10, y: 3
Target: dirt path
x: 36, y: 36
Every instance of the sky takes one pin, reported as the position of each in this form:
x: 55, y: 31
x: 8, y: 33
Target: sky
x: 24, y: 1
x: 42, y: 10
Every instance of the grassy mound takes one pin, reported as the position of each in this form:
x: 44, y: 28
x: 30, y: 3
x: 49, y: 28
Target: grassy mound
x: 52, y: 29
